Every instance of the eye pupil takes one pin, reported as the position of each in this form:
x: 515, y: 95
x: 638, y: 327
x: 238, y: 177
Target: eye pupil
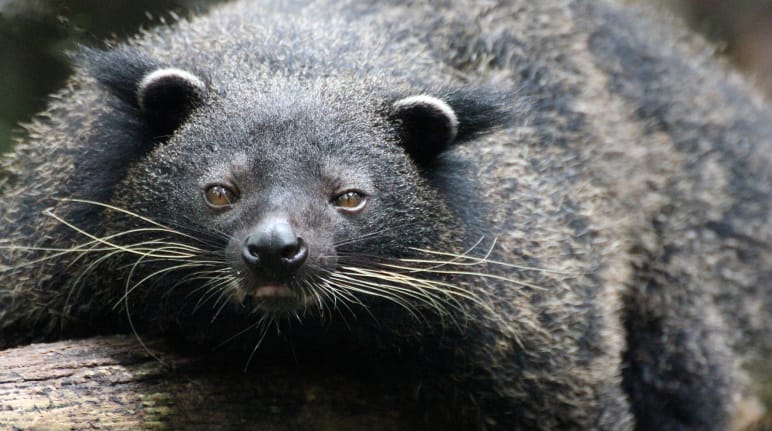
x: 351, y: 201
x: 219, y: 195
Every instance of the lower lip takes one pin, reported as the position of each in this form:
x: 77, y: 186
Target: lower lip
x: 272, y: 291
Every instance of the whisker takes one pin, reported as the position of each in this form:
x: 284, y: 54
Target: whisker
x: 113, y: 245
x: 257, y: 345
x: 468, y: 273
x: 372, y: 235
x: 224, y: 294
x: 107, y: 240
x: 212, y: 288
x: 376, y: 290
x: 480, y: 260
x: 148, y: 277
x: 340, y: 297
x: 242, y: 332
x: 432, y: 285
x: 120, y: 210
x: 131, y: 321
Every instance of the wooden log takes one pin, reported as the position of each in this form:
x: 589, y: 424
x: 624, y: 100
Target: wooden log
x: 113, y: 383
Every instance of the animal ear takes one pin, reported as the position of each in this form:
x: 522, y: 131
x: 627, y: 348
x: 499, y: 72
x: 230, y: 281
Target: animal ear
x: 166, y: 96
x: 163, y: 97
x: 427, y: 126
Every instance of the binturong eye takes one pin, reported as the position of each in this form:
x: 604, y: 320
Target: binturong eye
x: 350, y: 201
x: 220, y: 196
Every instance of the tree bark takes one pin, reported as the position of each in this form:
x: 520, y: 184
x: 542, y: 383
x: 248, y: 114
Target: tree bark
x: 113, y: 383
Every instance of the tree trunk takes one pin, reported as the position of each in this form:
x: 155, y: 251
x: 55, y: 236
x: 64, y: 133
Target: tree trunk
x: 114, y: 383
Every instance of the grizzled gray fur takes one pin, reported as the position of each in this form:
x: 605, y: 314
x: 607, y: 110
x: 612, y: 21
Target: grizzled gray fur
x: 545, y: 214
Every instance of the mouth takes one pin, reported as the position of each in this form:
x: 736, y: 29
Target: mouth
x: 273, y: 291
x: 274, y: 297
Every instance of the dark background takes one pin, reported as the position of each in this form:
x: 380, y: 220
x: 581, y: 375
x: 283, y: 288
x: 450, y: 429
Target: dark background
x: 36, y: 34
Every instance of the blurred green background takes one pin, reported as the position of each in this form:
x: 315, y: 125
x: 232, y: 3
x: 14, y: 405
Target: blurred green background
x: 36, y: 34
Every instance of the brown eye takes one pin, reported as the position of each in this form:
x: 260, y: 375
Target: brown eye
x: 219, y: 195
x: 350, y: 201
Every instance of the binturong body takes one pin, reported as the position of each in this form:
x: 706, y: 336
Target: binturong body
x: 544, y: 214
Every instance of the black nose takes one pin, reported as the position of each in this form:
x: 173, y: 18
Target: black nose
x: 274, y: 249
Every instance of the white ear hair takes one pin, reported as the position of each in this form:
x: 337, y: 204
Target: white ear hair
x: 169, y: 74
x: 430, y: 102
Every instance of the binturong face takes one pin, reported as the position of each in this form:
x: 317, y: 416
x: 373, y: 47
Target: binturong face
x: 290, y: 188
x: 287, y: 196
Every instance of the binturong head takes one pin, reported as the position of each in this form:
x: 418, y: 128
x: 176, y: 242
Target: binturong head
x: 280, y: 195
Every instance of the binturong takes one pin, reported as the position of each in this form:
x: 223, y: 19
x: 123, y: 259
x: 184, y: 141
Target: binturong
x: 544, y: 214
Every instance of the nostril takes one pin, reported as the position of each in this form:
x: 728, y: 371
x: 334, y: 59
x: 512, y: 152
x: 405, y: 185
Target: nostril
x: 251, y: 252
x: 290, y: 250
x: 294, y: 256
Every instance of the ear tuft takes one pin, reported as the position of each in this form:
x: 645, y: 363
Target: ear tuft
x: 166, y: 96
x: 160, y: 96
x: 427, y: 126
